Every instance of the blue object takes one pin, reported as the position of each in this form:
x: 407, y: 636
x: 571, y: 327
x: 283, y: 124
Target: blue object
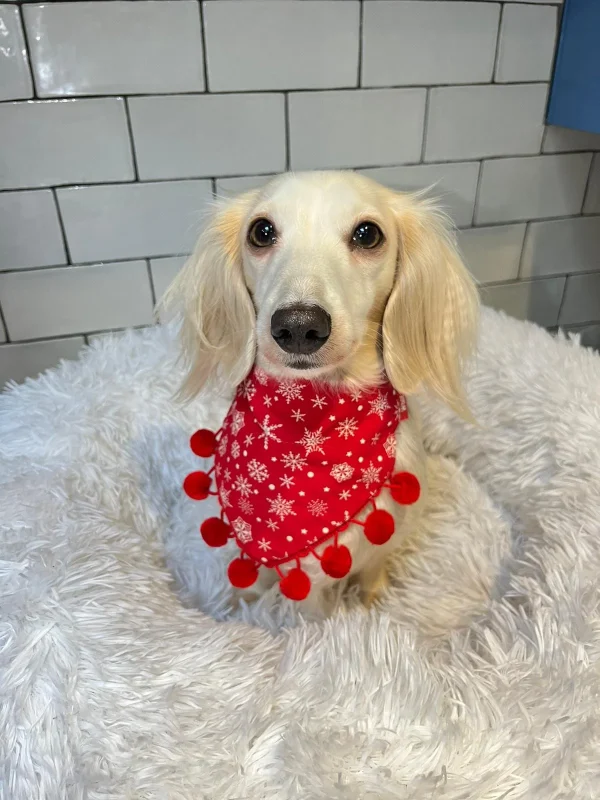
x: 575, y: 93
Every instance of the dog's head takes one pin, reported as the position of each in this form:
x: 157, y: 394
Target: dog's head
x: 329, y: 276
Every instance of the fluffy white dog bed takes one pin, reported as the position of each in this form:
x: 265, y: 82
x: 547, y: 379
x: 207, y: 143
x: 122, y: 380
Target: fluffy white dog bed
x: 126, y: 673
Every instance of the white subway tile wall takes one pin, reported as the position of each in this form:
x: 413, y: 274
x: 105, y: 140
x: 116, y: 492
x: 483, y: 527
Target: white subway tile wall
x: 120, y: 121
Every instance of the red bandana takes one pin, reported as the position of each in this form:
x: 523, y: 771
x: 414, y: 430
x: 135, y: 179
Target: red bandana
x: 295, y: 463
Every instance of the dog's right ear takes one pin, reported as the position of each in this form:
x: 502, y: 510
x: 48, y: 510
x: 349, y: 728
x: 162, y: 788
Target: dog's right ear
x: 211, y: 298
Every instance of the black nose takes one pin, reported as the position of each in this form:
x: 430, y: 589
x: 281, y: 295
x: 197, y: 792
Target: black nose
x: 301, y: 329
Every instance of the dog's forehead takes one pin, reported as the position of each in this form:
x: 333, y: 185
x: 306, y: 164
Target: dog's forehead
x: 320, y: 198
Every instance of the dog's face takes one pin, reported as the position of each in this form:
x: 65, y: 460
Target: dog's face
x: 319, y: 258
x: 327, y: 275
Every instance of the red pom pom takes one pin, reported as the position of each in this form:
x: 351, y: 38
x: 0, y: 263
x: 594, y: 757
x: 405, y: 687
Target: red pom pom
x: 215, y: 532
x: 197, y: 485
x: 406, y: 488
x: 336, y: 561
x: 242, y: 573
x: 203, y: 443
x: 295, y: 585
x: 379, y: 526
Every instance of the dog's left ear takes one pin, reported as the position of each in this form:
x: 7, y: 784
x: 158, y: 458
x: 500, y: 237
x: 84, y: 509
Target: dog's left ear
x: 431, y: 316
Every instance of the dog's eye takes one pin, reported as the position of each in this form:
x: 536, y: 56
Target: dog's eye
x: 262, y: 233
x: 367, y: 235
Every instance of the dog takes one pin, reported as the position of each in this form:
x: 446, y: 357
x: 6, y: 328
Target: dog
x: 331, y: 278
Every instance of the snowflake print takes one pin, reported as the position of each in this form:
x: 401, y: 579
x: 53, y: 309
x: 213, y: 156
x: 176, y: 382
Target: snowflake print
x: 243, y: 486
x: 261, y: 377
x: 345, y: 495
x: 290, y: 390
x: 264, y: 545
x: 293, y: 461
x: 355, y: 393
x: 268, y: 401
x: 342, y: 472
x: 257, y: 471
x: 281, y: 507
x: 297, y: 415
x: 227, y: 475
x: 319, y: 402
x: 223, y: 445
x: 242, y: 529
x: 313, y: 441
x: 225, y: 501
x: 347, y: 427
x: 246, y: 506
x: 272, y: 525
x: 287, y: 481
x: 238, y: 422
x: 370, y: 475
x: 390, y: 445
x: 249, y: 439
x: 267, y: 431
x: 375, y: 438
x: 248, y: 390
x: 236, y: 449
x: 318, y: 508
x: 379, y: 406
x: 401, y: 408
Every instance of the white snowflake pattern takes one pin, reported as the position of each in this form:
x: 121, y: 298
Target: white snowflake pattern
x: 243, y: 486
x: 370, y: 475
x: 261, y: 377
x: 268, y: 401
x: 293, y: 461
x: 287, y: 481
x: 390, y: 445
x: 347, y: 427
x: 248, y: 390
x: 227, y: 475
x: 281, y: 507
x: 342, y: 472
x: 267, y: 431
x: 297, y: 415
x: 345, y: 495
x: 319, y: 402
x: 355, y: 393
x: 236, y: 449
x: 318, y: 508
x: 242, y: 529
x: 238, y: 422
x: 375, y: 438
x: 401, y: 408
x: 223, y: 445
x: 246, y: 506
x: 313, y: 441
x: 264, y: 544
x: 290, y: 390
x: 379, y: 406
x: 225, y: 501
x: 249, y: 439
x: 258, y: 471
x: 272, y: 525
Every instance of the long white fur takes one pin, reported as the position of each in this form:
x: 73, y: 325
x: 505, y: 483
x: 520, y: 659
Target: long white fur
x: 477, y: 677
x: 408, y: 307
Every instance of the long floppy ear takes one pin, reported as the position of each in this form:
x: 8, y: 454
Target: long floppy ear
x: 211, y: 297
x: 431, y: 316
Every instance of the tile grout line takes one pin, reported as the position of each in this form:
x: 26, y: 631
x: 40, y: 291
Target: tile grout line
x: 63, y: 231
x: 27, y: 52
x: 204, y: 52
x: 361, y: 17
x: 562, y: 300
x: 521, y: 257
x: 151, y: 282
x: 286, y: 125
x: 425, y: 124
x: 132, y: 151
x: 477, y: 195
x: 493, y: 80
x: 587, y: 183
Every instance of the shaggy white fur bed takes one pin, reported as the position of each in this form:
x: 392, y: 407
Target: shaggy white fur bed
x: 477, y: 678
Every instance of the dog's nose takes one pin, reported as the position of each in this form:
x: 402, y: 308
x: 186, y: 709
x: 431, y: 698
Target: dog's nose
x: 301, y: 329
